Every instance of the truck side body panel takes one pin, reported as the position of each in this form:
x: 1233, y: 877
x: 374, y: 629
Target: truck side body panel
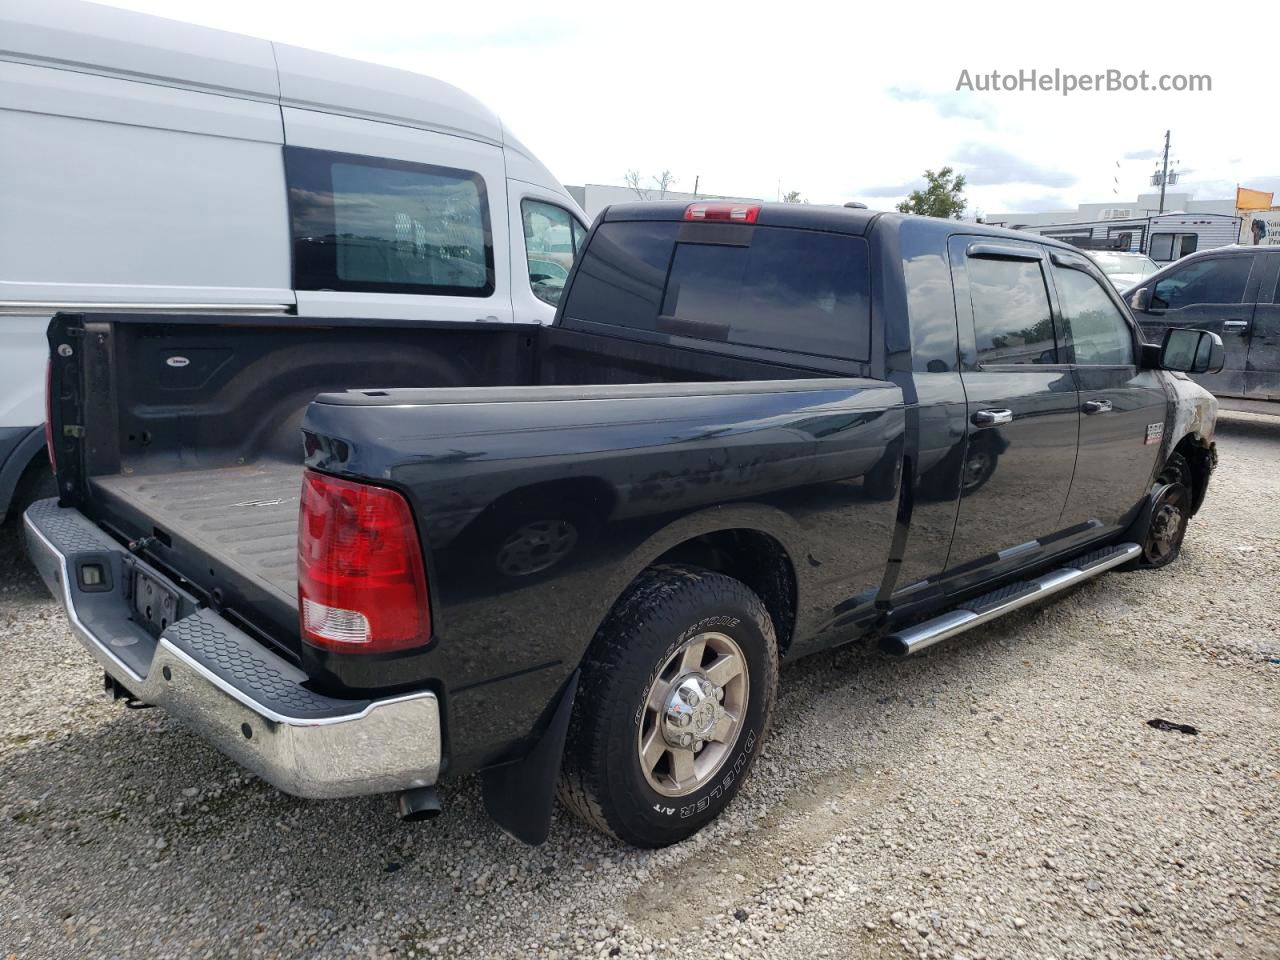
x: 634, y: 476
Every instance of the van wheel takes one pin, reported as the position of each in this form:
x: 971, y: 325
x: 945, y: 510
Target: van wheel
x: 1170, y: 512
x: 672, y: 708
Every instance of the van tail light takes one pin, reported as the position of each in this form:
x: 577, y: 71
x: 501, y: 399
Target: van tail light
x: 362, y: 587
x: 48, y: 416
x: 730, y: 212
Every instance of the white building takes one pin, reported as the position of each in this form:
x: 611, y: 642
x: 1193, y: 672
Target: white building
x: 594, y: 197
x: 1146, y: 205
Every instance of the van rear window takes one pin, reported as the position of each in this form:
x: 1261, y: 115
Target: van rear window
x: 386, y: 226
x: 780, y: 288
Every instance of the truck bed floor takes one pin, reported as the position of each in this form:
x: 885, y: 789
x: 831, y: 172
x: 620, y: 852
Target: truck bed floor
x: 245, y: 518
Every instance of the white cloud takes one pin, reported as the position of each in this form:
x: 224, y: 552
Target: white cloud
x: 985, y: 165
x: 948, y: 104
x: 816, y: 97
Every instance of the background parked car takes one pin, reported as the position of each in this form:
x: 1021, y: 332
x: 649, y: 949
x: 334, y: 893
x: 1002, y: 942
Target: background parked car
x: 1233, y: 291
x: 1124, y: 270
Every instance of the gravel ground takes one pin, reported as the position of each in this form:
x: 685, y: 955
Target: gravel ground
x: 1001, y: 797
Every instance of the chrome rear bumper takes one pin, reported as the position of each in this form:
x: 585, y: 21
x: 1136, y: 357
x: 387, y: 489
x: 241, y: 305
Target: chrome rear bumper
x: 244, y: 699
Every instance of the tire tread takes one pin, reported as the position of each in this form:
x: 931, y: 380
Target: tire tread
x: 644, y: 605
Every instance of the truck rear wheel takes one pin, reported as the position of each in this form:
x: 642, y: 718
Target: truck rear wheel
x: 673, y: 706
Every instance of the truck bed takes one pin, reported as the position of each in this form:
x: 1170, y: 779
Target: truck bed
x: 244, y: 518
x: 197, y: 423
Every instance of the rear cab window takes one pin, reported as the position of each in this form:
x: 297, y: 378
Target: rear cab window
x: 780, y: 288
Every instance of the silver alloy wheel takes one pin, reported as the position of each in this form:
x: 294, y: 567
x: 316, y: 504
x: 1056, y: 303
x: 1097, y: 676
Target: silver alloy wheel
x: 693, y: 713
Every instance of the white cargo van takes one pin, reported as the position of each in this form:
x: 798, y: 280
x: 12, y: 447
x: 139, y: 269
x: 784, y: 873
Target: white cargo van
x: 148, y: 165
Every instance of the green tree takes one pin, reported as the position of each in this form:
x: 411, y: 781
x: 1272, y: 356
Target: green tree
x: 793, y: 196
x: 943, y: 196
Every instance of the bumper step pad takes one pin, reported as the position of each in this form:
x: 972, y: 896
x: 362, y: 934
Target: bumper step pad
x: 246, y: 665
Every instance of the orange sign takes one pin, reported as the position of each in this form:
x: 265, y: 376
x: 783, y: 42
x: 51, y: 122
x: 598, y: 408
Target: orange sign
x: 1247, y: 199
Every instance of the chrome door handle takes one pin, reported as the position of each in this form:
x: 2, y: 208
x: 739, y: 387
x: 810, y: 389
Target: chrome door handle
x: 991, y: 418
x: 1235, y: 326
x: 1097, y: 406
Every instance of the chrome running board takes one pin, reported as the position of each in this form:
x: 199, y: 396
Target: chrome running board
x: 997, y: 603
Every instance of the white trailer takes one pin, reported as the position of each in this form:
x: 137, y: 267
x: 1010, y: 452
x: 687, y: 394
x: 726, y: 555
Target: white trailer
x: 1163, y: 237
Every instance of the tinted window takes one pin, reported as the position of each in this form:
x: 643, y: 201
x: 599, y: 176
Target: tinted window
x: 622, y: 274
x: 1219, y: 280
x: 383, y: 226
x: 794, y: 290
x: 1093, y: 326
x: 1011, y: 316
x: 551, y: 236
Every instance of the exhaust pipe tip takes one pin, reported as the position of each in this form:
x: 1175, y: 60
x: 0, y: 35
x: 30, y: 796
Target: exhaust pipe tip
x: 418, y: 804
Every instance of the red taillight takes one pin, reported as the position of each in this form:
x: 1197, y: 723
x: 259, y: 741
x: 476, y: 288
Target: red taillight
x: 732, y: 212
x: 48, y: 415
x: 361, y: 584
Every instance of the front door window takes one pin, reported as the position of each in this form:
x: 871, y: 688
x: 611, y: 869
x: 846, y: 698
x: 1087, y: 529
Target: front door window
x: 1094, y: 329
x: 552, y: 236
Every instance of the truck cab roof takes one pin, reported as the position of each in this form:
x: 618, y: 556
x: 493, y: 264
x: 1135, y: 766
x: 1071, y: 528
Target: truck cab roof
x: 858, y: 221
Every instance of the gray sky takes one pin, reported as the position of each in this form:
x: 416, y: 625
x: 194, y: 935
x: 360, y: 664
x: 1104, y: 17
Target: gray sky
x: 838, y: 101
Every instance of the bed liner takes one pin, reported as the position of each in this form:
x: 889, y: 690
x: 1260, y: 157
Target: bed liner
x: 243, y: 517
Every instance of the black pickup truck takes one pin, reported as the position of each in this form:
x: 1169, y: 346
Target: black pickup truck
x: 359, y: 557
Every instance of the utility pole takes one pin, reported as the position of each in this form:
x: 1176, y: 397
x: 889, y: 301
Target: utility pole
x: 1164, y: 174
x: 695, y: 186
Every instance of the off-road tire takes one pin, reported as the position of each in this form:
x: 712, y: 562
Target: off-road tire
x: 601, y: 779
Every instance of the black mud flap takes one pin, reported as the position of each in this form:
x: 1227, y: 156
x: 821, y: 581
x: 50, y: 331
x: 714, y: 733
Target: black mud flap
x: 520, y: 796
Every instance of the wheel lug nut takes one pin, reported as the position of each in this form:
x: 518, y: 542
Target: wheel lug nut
x: 719, y: 693
x: 684, y: 719
x: 697, y: 746
x: 686, y: 740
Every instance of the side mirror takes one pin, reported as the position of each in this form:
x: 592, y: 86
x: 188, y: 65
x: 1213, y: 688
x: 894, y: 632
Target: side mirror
x: 1140, y: 299
x: 1192, y: 351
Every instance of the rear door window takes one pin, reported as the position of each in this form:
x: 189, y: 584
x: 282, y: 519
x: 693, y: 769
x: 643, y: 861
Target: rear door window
x: 1011, y: 315
x: 795, y: 290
